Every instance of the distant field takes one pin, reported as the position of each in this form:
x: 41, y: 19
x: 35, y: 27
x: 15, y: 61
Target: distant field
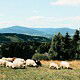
x: 41, y: 73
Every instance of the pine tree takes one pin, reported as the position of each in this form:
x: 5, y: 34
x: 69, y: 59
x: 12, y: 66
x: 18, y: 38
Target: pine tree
x: 68, y: 48
x: 56, y: 48
x: 76, y: 43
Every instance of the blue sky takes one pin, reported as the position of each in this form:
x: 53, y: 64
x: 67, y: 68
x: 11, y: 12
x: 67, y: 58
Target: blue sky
x: 40, y: 13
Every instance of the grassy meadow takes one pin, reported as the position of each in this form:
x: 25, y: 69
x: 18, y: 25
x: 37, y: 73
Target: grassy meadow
x: 41, y: 73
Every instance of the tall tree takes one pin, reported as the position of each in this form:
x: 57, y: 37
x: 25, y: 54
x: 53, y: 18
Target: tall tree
x: 76, y: 43
x: 56, y: 48
x: 68, y: 47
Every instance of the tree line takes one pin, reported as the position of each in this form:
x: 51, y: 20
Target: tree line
x: 62, y: 47
x: 65, y: 47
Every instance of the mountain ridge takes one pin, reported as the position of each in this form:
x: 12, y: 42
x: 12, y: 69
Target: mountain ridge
x: 53, y: 31
x: 45, y: 32
x: 23, y: 30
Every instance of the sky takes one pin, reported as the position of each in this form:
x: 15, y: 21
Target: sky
x: 40, y: 13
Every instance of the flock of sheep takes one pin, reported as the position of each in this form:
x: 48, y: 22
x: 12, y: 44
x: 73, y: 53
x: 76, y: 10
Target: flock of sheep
x: 63, y: 64
x: 18, y: 62
x: 21, y: 63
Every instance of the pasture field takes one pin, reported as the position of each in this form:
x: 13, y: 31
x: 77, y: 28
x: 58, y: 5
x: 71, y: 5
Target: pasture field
x: 41, y: 73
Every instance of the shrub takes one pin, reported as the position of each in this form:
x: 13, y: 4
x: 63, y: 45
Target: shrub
x: 39, y: 56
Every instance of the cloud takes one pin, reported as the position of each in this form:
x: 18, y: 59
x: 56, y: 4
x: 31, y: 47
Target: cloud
x: 53, y: 19
x: 44, y: 22
x: 6, y: 24
x: 66, y: 2
x: 35, y: 18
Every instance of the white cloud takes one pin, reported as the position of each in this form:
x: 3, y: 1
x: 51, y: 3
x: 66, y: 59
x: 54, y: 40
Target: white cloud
x: 66, y: 2
x: 35, y: 18
x: 6, y: 24
x: 43, y: 21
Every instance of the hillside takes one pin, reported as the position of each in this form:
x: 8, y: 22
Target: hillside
x: 13, y: 37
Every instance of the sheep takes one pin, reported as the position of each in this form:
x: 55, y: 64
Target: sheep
x: 9, y: 64
x: 37, y: 62
x: 2, y: 62
x: 65, y: 64
x: 31, y: 63
x: 18, y: 63
x: 19, y: 59
x: 53, y: 65
x: 8, y: 59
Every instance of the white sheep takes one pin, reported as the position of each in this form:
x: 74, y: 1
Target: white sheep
x: 30, y: 62
x: 2, y: 62
x: 65, y: 64
x: 9, y: 64
x: 18, y: 63
x: 19, y: 59
x: 53, y: 65
x: 8, y: 59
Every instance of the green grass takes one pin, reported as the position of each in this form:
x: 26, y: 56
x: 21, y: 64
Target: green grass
x: 41, y: 73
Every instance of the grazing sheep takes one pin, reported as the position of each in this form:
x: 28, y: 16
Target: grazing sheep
x: 8, y: 59
x: 2, y: 62
x: 9, y: 64
x: 37, y: 62
x: 30, y: 63
x: 18, y: 63
x: 65, y: 64
x: 19, y: 59
x: 53, y: 65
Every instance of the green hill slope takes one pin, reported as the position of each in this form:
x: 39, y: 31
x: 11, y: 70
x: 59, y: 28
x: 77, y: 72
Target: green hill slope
x: 13, y: 37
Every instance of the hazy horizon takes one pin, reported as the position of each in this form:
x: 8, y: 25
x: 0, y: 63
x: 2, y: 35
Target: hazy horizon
x: 35, y: 27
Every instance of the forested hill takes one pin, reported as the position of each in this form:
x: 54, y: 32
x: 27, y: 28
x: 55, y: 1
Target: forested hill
x: 13, y: 37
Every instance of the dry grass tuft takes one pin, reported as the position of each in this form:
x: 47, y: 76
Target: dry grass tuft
x: 2, y: 76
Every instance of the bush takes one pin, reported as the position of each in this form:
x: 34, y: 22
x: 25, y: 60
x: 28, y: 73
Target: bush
x: 39, y: 56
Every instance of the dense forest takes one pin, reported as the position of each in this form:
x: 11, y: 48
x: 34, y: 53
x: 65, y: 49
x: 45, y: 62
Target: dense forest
x: 65, y: 47
x: 61, y: 47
